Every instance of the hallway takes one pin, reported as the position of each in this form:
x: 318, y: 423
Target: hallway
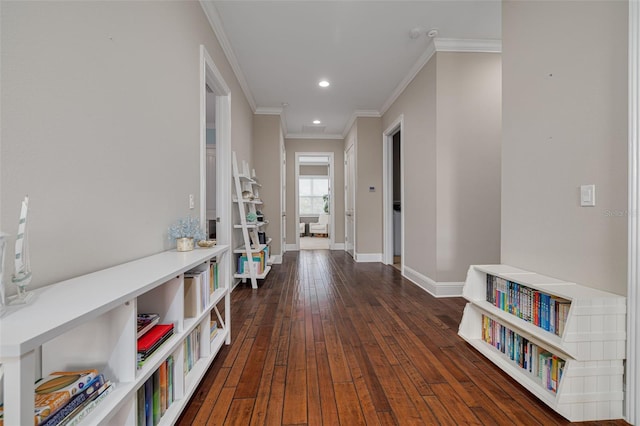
x: 325, y: 340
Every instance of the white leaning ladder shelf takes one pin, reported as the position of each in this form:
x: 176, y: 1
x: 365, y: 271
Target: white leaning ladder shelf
x: 244, y: 183
x: 591, y: 341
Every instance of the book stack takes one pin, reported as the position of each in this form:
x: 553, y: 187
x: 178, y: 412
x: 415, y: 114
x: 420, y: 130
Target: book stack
x: 548, y: 368
x: 213, y: 330
x: 150, y: 341
x: 197, y: 292
x: 156, y: 395
x: 64, y: 398
x: 213, y: 277
x: 191, y: 349
x: 546, y: 311
x: 259, y: 261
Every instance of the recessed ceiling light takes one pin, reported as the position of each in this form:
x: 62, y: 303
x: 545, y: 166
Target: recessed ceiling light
x: 323, y: 83
x: 316, y: 121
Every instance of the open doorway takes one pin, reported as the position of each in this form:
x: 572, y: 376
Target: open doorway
x: 393, y: 195
x: 314, y: 200
x: 211, y: 163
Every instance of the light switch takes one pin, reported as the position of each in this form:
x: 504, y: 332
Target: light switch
x: 587, y: 195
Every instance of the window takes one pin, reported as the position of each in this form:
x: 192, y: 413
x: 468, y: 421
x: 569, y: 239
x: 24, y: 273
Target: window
x: 311, y: 190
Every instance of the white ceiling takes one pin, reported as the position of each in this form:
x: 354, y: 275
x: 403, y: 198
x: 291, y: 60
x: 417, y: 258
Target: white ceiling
x: 280, y: 50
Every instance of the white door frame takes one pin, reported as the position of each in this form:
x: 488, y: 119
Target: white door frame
x: 283, y: 194
x: 387, y: 191
x: 351, y: 145
x: 332, y: 191
x: 632, y: 394
x: 210, y: 75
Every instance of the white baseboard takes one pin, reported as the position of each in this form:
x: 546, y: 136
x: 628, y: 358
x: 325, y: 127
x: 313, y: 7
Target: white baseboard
x: 368, y: 257
x: 436, y: 289
x: 277, y: 259
x: 337, y: 246
x: 292, y: 247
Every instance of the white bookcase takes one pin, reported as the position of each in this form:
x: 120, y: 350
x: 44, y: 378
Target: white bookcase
x: 246, y: 183
x: 90, y: 322
x: 592, y: 343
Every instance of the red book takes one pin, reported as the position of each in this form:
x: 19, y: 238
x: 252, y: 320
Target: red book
x: 152, y: 336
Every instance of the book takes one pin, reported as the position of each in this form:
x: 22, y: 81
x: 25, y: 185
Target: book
x: 156, y: 397
x: 85, y: 394
x: 146, y: 323
x: 141, y: 407
x: 55, y: 390
x: 162, y: 373
x: 76, y: 417
x: 156, y: 333
x: 148, y: 402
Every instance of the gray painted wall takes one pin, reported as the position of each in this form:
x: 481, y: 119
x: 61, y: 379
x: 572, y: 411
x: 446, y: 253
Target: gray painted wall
x: 100, y: 126
x: 565, y: 125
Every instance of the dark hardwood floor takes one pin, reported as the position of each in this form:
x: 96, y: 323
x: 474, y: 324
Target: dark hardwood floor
x: 327, y: 341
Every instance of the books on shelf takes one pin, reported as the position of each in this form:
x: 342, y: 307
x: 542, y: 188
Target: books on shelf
x: 63, y: 398
x: 213, y: 330
x: 543, y: 310
x: 259, y: 261
x: 535, y: 360
x: 78, y: 402
x: 146, y: 323
x: 191, y: 349
x: 152, y: 340
x: 197, y: 292
x: 156, y: 395
x: 57, y: 389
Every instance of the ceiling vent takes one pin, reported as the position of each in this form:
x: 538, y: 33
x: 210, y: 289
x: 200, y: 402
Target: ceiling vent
x: 313, y: 129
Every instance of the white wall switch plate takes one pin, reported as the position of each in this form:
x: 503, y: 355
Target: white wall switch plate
x: 587, y: 195
x: 192, y: 201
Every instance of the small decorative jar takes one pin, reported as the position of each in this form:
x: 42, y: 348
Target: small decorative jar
x: 184, y: 244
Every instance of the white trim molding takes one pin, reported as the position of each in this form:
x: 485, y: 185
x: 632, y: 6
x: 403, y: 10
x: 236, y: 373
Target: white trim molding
x: 440, y: 45
x: 632, y: 393
x: 467, y: 45
x: 292, y: 247
x: 277, y: 259
x: 356, y: 114
x: 212, y: 15
x: 313, y: 136
x: 368, y: 257
x: 337, y: 246
x: 436, y: 289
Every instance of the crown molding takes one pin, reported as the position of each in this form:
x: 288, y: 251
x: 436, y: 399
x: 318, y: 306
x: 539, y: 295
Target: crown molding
x: 415, y: 69
x: 312, y: 136
x: 467, y: 45
x: 269, y: 110
x: 359, y: 113
x: 213, y: 17
x: 441, y: 45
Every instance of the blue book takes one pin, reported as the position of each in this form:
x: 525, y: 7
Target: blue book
x: 148, y: 401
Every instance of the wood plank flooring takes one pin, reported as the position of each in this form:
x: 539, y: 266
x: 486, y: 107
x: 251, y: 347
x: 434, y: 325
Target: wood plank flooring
x: 327, y: 341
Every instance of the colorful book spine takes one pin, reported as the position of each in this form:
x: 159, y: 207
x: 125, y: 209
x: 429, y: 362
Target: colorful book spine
x: 548, y: 368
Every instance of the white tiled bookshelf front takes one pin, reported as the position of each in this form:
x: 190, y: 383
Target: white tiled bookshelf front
x: 593, y: 342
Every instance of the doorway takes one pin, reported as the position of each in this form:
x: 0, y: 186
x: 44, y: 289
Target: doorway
x: 314, y: 200
x: 393, y: 195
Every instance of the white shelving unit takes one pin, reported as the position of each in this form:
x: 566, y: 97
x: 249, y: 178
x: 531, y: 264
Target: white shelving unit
x: 90, y: 322
x: 247, y: 199
x: 592, y: 343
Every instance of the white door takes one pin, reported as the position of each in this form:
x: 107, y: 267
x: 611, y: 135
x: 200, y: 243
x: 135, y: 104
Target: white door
x: 349, y: 202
